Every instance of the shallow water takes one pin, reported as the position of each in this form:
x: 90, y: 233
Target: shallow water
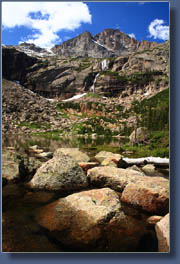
x: 21, y: 143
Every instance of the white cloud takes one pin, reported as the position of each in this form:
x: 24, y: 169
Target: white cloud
x: 132, y: 35
x: 59, y: 16
x: 157, y: 30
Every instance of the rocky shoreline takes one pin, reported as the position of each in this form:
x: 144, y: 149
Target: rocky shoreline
x: 77, y: 204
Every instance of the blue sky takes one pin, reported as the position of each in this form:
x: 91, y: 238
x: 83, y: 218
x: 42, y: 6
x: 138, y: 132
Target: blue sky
x: 50, y: 23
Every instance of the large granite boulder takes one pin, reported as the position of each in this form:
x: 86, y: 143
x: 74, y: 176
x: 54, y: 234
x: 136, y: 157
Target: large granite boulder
x: 147, y: 193
x: 162, y: 231
x: 75, y: 153
x: 61, y: 173
x: 114, y: 178
x: 92, y: 220
x: 150, y: 194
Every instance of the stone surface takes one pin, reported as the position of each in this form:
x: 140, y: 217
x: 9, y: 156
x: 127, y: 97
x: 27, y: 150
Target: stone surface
x: 16, y: 167
x: 152, y: 220
x: 110, y: 161
x: 140, y: 135
x: 114, y: 178
x: 162, y: 231
x: 10, y: 165
x: 21, y: 108
x: 108, y: 43
x: 102, y: 155
x: 92, y: 220
x: 136, y: 168
x: 150, y: 194
x: 75, y: 153
x: 88, y: 165
x: 149, y: 169
x: 144, y: 192
x: 15, y: 64
x: 60, y: 173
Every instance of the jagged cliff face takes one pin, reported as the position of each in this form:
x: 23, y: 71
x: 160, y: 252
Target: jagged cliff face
x: 84, y: 46
x: 120, y: 43
x: 15, y: 64
x: 111, y: 64
x: 109, y: 43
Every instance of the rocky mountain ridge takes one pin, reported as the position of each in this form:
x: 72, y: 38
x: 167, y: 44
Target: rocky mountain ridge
x: 144, y: 72
x: 109, y: 43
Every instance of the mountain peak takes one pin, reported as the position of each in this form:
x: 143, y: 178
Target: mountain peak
x: 107, y: 43
x: 86, y: 34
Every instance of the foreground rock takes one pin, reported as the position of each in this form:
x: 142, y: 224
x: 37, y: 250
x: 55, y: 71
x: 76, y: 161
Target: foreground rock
x: 115, y: 178
x: 92, y: 220
x: 75, y: 153
x: 60, y: 173
x: 150, y: 194
x: 162, y: 231
x: 147, y: 193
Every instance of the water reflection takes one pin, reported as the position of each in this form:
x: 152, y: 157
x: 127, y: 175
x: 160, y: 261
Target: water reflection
x: 21, y: 143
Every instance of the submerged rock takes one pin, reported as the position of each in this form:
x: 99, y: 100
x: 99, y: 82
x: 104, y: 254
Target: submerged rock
x: 60, y: 173
x: 10, y: 165
x: 92, y: 220
x: 162, y: 231
x: 17, y: 167
x: 19, y: 234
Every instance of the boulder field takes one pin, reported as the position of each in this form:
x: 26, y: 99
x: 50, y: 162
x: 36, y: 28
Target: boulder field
x: 84, y: 206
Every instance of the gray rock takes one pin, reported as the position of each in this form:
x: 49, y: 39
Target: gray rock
x: 139, y: 135
x: 10, y: 165
x: 60, y: 173
x: 16, y: 167
x: 149, y: 169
